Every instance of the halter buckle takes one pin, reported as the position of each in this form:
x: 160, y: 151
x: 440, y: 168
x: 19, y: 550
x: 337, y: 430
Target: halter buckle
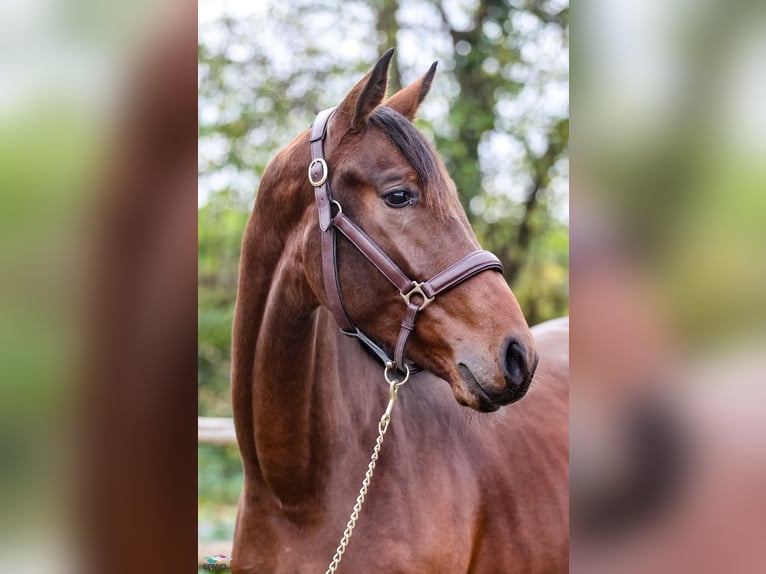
x: 323, y: 178
x: 417, y: 289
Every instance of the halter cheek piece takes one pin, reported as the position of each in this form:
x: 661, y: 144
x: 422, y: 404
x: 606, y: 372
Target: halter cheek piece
x: 416, y: 295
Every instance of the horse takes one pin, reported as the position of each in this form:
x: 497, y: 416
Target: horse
x: 453, y: 491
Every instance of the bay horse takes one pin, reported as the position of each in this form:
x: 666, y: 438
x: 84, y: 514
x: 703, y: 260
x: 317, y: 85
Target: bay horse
x: 452, y: 492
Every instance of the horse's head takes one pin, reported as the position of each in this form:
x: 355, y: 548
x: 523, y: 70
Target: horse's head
x: 390, y: 181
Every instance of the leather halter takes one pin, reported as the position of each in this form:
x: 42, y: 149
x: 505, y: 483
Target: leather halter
x: 416, y: 295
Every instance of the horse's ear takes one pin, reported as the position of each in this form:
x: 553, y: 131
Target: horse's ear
x: 366, y: 95
x: 407, y: 100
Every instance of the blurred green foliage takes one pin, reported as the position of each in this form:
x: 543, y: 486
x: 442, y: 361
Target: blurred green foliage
x: 48, y: 152
x: 220, y: 227
x: 219, y: 485
x: 497, y: 113
x: 672, y: 156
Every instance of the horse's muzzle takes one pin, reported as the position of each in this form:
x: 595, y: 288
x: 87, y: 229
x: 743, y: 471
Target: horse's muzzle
x: 517, y: 375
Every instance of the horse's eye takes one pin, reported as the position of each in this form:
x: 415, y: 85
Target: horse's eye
x: 398, y: 198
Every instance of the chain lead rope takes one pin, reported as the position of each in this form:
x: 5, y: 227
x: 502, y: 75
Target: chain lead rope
x: 385, y: 420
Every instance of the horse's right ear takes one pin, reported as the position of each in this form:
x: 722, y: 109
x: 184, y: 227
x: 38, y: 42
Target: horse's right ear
x: 365, y: 96
x: 407, y: 100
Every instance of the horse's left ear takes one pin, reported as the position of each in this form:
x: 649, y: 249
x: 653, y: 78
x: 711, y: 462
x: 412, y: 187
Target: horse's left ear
x: 407, y: 100
x: 365, y: 96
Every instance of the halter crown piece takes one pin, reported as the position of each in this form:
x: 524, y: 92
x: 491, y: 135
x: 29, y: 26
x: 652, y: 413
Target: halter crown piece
x: 416, y: 295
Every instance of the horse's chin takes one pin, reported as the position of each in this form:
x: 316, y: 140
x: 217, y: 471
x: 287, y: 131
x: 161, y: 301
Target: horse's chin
x: 470, y: 392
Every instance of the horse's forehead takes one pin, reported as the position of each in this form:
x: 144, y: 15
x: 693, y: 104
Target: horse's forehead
x: 386, y: 156
x: 372, y: 157
x: 373, y: 145
x: 375, y: 151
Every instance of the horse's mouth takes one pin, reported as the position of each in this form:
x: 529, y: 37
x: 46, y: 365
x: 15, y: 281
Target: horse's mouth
x: 481, y: 400
x: 484, y: 399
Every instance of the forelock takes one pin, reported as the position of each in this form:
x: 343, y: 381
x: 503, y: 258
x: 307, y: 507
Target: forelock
x: 438, y: 189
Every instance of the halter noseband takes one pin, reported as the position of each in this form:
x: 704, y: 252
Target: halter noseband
x: 424, y: 292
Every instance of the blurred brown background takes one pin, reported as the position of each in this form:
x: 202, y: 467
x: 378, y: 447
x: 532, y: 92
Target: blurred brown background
x: 668, y: 465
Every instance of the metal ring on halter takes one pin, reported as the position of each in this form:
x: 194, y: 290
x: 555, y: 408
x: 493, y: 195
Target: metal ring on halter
x: 390, y: 365
x: 336, y: 204
x: 323, y: 179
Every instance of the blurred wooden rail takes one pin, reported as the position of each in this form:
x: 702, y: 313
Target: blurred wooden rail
x: 215, y: 430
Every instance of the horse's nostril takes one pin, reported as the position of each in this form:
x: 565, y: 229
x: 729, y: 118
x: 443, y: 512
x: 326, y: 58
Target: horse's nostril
x: 514, y: 360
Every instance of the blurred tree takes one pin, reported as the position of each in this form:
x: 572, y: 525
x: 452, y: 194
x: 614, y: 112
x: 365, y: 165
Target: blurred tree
x: 485, y: 53
x: 387, y: 27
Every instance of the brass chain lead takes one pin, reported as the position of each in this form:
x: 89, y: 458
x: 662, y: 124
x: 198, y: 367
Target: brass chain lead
x: 385, y: 420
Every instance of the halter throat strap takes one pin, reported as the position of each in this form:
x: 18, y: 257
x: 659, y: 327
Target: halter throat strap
x: 416, y: 295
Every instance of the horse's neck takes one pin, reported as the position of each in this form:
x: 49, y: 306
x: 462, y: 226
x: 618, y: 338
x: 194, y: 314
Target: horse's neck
x: 297, y: 396
x: 291, y: 403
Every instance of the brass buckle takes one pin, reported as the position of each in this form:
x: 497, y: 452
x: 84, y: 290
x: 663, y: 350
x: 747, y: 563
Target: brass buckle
x: 323, y: 179
x: 417, y: 289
